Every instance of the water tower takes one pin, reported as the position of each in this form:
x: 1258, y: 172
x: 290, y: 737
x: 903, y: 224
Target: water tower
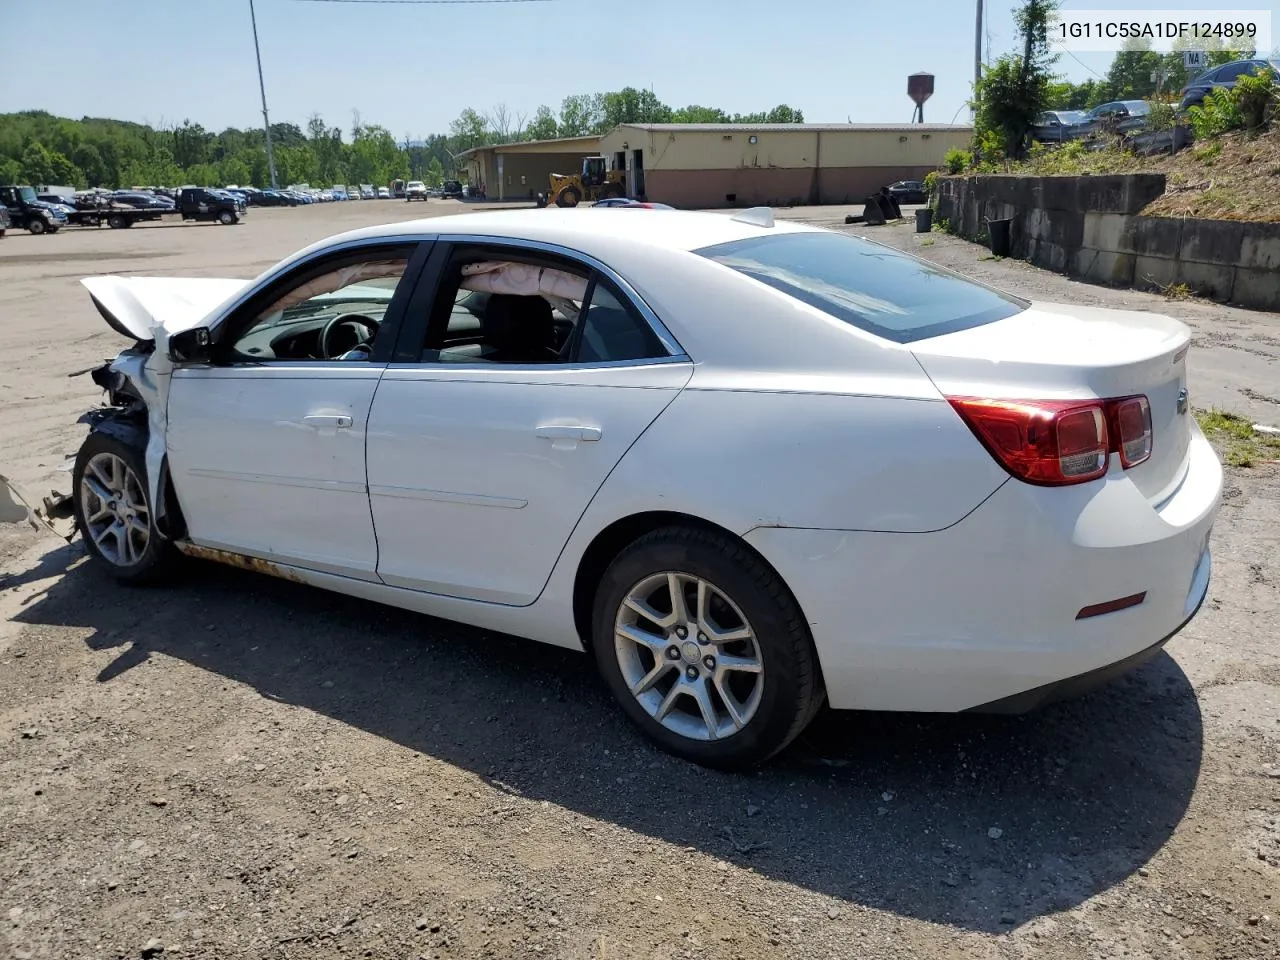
x: 919, y: 89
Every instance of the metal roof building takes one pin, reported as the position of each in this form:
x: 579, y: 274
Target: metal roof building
x: 698, y: 166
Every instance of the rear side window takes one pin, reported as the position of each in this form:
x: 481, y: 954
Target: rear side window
x: 612, y: 332
x: 874, y: 288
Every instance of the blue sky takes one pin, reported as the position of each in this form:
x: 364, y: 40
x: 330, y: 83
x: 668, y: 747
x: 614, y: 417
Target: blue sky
x: 412, y: 68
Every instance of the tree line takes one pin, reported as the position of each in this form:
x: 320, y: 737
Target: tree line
x: 39, y: 148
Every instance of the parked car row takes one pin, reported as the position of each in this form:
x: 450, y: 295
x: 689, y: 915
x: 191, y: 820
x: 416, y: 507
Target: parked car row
x: 52, y: 208
x: 48, y: 212
x: 1131, y: 116
x: 1117, y: 116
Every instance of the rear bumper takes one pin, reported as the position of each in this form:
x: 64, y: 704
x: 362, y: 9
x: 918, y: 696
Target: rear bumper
x: 1083, y: 683
x: 985, y: 612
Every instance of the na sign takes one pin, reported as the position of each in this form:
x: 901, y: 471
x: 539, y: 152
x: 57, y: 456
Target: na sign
x: 1194, y: 61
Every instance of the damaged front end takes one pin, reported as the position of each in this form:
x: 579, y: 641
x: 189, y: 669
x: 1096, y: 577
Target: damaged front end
x: 137, y: 387
x: 125, y: 417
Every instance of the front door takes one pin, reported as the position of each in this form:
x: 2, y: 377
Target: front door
x: 484, y: 455
x: 267, y: 444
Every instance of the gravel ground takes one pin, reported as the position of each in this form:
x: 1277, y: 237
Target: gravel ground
x: 243, y: 767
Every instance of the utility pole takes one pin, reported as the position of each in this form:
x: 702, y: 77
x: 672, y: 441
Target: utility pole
x: 266, y: 120
x: 977, y: 53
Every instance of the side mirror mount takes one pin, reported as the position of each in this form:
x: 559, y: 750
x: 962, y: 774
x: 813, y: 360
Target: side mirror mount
x: 191, y: 346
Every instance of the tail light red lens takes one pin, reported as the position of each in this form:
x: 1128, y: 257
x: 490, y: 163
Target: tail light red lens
x: 1131, y: 420
x: 1059, y: 442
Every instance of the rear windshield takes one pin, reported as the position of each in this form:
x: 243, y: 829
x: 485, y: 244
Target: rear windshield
x: 875, y: 288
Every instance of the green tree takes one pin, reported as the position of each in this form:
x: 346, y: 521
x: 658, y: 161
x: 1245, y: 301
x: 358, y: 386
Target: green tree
x: 581, y: 114
x: 88, y: 161
x: 784, y: 114
x: 1015, y: 89
x: 435, y: 172
x: 630, y: 105
x: 1130, y: 74
x: 468, y: 131
x: 37, y: 163
x: 543, y: 126
x: 234, y: 170
x: 10, y: 171
x: 699, y: 114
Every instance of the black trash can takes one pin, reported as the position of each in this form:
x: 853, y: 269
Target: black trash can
x: 924, y: 220
x: 998, y: 231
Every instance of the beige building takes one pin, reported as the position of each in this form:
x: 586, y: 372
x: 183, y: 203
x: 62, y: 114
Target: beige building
x: 520, y: 171
x: 696, y: 166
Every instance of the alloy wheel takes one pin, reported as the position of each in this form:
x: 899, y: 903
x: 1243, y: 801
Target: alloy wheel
x: 114, y: 506
x: 689, y: 656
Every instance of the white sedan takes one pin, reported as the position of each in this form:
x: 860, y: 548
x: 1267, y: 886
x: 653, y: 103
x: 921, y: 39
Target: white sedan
x: 750, y: 466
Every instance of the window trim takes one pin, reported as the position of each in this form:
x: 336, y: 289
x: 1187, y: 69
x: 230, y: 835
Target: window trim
x: 235, y: 318
x: 413, y: 335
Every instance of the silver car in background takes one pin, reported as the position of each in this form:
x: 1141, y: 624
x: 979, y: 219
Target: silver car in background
x: 1059, y: 126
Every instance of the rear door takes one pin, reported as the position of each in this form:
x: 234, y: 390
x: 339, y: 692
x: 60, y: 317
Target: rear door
x: 481, y: 464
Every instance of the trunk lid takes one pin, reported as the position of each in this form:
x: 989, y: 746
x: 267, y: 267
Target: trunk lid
x: 1059, y: 352
x: 136, y: 306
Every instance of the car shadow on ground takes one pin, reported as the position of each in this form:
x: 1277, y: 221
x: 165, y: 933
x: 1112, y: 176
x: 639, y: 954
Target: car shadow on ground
x: 976, y: 822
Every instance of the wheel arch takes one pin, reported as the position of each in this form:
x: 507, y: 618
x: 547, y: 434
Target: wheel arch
x: 130, y: 427
x: 621, y: 533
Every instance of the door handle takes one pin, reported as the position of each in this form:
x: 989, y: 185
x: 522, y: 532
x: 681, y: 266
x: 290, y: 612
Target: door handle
x: 557, y: 431
x: 328, y: 420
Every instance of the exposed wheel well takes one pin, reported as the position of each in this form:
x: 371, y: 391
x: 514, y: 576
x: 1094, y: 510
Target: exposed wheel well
x: 613, y: 539
x: 132, y: 429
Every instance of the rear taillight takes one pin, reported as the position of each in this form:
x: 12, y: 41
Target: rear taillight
x: 1131, y: 423
x: 1058, y: 442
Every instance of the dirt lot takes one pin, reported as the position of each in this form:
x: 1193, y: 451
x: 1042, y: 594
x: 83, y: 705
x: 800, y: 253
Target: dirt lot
x: 243, y: 767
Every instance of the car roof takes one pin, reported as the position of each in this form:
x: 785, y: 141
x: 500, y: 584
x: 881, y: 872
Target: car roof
x: 578, y: 228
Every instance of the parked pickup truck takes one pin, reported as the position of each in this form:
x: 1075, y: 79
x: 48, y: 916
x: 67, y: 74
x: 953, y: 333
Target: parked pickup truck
x: 200, y: 203
x: 30, y: 214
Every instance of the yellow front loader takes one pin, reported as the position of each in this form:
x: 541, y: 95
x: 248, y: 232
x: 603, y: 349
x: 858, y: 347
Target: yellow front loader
x: 595, y: 182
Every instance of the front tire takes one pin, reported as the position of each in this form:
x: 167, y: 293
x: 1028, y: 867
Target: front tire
x: 114, y: 513
x: 568, y: 197
x: 705, y: 648
x: 226, y: 218
x: 36, y: 226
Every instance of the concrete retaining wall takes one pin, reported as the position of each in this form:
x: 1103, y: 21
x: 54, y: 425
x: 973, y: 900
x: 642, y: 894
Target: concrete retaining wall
x: 1089, y: 227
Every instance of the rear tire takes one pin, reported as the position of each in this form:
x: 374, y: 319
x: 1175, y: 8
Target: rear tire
x: 117, y: 221
x: 726, y: 686
x: 114, y: 513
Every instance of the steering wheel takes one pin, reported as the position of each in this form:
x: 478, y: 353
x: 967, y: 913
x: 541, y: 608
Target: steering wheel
x: 366, y: 328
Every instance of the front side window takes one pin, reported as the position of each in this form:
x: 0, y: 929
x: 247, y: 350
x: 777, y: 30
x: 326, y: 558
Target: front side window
x: 330, y: 314
x: 877, y: 289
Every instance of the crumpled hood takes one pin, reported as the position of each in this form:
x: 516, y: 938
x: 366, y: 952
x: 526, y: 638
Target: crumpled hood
x: 138, y: 306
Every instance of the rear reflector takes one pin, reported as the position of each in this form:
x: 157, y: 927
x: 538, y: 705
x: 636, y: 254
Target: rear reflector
x: 1111, y: 606
x: 1059, y: 442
